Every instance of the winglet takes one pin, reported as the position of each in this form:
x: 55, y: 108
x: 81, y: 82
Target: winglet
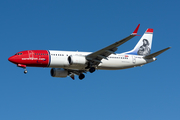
x: 136, y: 30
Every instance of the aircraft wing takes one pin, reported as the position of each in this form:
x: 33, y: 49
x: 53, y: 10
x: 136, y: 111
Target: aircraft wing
x: 97, y: 56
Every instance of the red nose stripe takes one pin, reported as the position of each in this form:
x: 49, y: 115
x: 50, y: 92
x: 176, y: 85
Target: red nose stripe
x: 34, y: 58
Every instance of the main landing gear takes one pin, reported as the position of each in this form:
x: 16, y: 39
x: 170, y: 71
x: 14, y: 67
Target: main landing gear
x: 81, y: 76
x: 91, y: 70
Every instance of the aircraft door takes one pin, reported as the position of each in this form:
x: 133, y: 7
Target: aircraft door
x: 133, y: 59
x: 30, y: 54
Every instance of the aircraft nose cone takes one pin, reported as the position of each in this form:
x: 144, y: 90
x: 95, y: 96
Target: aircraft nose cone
x: 12, y: 59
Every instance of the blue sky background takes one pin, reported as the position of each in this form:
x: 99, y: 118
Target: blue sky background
x: 150, y: 92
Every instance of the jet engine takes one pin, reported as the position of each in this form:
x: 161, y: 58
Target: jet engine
x: 77, y: 60
x: 59, y: 72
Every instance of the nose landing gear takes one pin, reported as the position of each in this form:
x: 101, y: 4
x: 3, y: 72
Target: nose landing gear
x: 22, y: 66
x: 25, y: 71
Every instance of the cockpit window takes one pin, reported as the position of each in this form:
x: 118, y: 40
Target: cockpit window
x: 18, y: 54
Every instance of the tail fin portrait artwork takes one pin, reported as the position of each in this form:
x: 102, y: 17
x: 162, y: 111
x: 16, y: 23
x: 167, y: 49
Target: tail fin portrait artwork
x: 143, y: 47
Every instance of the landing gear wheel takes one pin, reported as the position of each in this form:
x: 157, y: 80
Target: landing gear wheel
x: 81, y: 76
x: 25, y: 71
x: 92, y: 69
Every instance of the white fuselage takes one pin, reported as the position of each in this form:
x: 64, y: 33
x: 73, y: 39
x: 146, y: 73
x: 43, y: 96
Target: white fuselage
x: 58, y: 59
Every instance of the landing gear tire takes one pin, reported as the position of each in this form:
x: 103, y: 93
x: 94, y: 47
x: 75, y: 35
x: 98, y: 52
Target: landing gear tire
x: 25, y: 71
x: 81, y: 76
x: 92, y: 69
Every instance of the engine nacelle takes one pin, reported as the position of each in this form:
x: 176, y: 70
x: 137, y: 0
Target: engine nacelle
x: 59, y: 72
x: 77, y: 60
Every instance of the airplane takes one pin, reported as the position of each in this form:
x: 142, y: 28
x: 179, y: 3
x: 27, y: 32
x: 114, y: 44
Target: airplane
x: 71, y: 63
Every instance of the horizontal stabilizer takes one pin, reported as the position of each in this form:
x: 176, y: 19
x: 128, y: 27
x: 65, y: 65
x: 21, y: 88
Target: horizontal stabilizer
x: 156, y: 53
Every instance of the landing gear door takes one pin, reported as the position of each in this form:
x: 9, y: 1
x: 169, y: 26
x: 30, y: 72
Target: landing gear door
x: 133, y: 59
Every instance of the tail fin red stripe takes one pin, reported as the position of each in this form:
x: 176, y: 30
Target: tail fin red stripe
x: 149, y: 30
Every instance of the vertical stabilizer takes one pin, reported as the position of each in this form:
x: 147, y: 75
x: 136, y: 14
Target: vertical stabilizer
x: 143, y: 47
